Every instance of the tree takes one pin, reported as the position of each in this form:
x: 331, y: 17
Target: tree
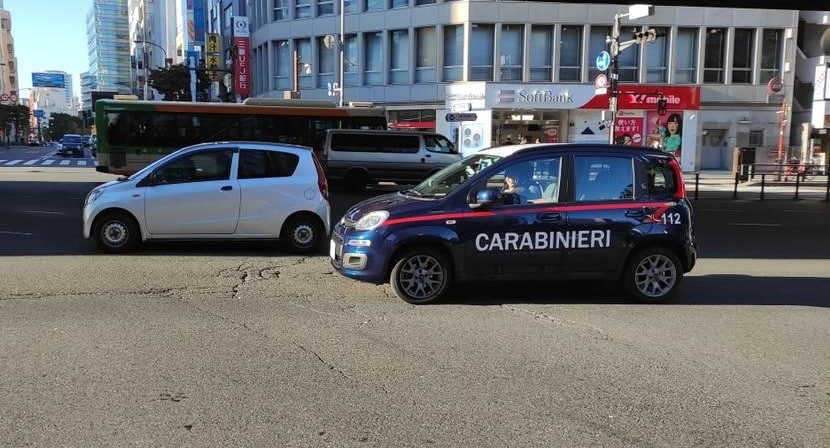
x: 60, y: 124
x: 174, y: 83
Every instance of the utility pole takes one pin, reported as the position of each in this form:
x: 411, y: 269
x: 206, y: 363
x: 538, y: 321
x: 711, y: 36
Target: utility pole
x: 341, y: 43
x: 634, y: 12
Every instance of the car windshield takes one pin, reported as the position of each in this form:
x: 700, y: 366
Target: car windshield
x: 451, y: 177
x: 71, y: 139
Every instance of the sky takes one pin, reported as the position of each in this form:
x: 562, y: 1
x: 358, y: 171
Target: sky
x: 49, y: 35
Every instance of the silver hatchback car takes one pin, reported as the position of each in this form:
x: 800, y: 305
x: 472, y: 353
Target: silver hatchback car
x: 215, y: 191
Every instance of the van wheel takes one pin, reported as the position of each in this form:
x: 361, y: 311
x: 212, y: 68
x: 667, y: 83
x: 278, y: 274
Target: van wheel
x: 115, y: 232
x: 302, y: 234
x: 421, y: 276
x: 356, y: 180
x: 653, y: 275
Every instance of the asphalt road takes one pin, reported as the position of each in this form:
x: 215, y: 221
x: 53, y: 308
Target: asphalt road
x: 245, y: 345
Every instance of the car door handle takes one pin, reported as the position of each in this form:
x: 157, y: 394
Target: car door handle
x: 549, y: 217
x: 226, y: 188
x: 636, y: 213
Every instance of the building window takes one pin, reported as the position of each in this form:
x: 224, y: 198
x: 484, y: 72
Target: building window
x: 326, y: 64
x: 511, y: 47
x: 400, y: 3
x: 281, y: 9
x: 373, y: 51
x: 350, y: 71
x: 714, y: 54
x: 771, y: 49
x: 481, y: 52
x: 302, y: 10
x: 399, y: 57
x: 424, y: 2
x: 425, y: 55
x: 628, y: 64
x: 541, y: 50
x: 375, y: 5
x: 657, y: 52
x: 453, y: 52
x: 570, y: 53
x: 596, y: 44
x: 325, y: 7
x: 227, y: 17
x: 742, y: 56
x: 282, y: 65
x: 756, y: 138
x: 304, y: 62
x: 352, y: 6
x: 685, y: 64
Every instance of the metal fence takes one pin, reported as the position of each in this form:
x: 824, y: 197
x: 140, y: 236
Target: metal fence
x: 763, y: 181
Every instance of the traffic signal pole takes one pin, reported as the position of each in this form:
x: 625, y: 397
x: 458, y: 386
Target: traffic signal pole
x: 614, y: 76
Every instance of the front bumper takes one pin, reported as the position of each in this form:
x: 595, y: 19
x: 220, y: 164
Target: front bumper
x: 360, y: 255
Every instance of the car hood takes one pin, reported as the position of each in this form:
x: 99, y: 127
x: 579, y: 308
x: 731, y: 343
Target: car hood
x: 397, y: 204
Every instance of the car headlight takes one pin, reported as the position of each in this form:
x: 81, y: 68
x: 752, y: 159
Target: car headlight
x: 93, y: 196
x: 371, y: 220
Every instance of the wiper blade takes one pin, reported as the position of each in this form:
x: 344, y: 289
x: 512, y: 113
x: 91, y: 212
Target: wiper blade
x: 411, y: 192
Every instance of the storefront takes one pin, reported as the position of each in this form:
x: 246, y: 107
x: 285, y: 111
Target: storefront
x: 514, y: 113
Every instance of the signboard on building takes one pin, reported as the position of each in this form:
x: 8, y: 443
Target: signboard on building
x: 645, y: 96
x: 42, y: 79
x: 199, y: 22
x: 213, y: 56
x: 241, y: 66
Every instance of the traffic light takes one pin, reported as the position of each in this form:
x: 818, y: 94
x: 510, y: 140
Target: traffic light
x: 661, y: 105
x: 648, y: 35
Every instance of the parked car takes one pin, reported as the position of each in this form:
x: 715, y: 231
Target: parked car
x: 71, y: 145
x: 359, y: 157
x: 527, y: 212
x: 215, y: 191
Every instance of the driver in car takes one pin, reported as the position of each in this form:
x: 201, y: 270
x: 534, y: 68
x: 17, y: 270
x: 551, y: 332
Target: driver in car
x: 518, y: 185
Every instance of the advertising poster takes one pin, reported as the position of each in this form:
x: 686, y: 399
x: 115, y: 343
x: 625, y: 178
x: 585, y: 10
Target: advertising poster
x: 628, y: 130
x: 665, y: 131
x: 587, y: 126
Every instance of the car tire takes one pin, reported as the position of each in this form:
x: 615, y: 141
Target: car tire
x: 302, y: 234
x: 356, y: 180
x: 115, y: 233
x: 653, y: 275
x: 421, y: 276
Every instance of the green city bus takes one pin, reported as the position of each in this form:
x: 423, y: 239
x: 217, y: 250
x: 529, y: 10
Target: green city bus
x: 132, y: 134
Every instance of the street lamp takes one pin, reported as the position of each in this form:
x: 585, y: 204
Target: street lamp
x: 146, y: 60
x: 634, y: 12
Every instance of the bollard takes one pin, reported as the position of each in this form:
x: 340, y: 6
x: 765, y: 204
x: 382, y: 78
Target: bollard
x: 797, y: 183
x: 697, y: 184
x: 735, y: 191
x: 763, y: 181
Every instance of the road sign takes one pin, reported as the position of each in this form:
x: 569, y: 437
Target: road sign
x: 601, y: 84
x: 461, y: 107
x: 775, y: 84
x: 38, y: 113
x: 603, y: 61
x: 466, y: 116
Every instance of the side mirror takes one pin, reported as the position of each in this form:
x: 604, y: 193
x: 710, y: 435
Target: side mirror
x: 487, y: 198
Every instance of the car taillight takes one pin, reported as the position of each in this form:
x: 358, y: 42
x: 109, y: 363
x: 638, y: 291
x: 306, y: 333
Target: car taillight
x: 322, y: 182
x: 680, y: 193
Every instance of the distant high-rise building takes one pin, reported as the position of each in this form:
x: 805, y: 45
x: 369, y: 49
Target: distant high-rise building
x: 109, y: 45
x: 8, y: 60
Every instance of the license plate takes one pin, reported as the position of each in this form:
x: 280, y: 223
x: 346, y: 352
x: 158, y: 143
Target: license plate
x: 335, y: 250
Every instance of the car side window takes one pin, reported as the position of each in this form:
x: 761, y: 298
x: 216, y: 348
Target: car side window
x: 257, y: 164
x: 660, y: 179
x: 197, y: 167
x: 529, y: 182
x: 603, y: 178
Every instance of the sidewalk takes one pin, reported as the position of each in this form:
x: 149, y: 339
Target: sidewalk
x: 720, y: 184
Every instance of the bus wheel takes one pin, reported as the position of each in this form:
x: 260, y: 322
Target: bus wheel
x: 356, y: 180
x: 115, y: 232
x: 302, y: 234
x: 421, y: 276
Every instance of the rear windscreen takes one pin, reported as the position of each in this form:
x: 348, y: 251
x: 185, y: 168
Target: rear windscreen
x: 396, y: 144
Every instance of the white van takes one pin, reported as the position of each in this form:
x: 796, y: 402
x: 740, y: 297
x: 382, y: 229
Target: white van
x: 359, y: 157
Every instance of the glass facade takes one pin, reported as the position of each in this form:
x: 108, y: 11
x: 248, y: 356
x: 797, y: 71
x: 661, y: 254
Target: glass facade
x: 109, y: 41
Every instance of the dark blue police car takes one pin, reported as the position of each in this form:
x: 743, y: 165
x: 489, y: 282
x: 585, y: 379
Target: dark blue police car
x: 527, y: 212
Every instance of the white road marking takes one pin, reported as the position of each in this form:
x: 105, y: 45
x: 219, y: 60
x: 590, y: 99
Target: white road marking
x: 9, y: 232
x: 81, y: 162
x: 45, y: 212
x: 755, y: 224
x: 31, y: 162
x: 14, y: 162
x: 65, y: 162
x: 49, y: 162
x: 2, y: 160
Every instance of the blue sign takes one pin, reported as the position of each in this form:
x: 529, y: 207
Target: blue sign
x: 199, y: 22
x: 603, y: 61
x: 42, y: 79
x: 38, y: 113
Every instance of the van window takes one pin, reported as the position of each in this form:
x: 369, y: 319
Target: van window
x: 387, y: 143
x: 439, y: 143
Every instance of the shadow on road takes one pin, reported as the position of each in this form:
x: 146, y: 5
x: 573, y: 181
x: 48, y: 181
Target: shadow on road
x: 720, y: 289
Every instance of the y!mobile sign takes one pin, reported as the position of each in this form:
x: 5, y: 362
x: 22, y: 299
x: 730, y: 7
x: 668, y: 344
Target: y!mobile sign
x: 241, y: 67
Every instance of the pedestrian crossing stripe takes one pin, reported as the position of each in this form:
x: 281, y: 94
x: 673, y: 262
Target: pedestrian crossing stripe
x: 45, y: 162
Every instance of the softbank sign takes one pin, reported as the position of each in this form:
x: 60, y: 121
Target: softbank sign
x: 552, y: 96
